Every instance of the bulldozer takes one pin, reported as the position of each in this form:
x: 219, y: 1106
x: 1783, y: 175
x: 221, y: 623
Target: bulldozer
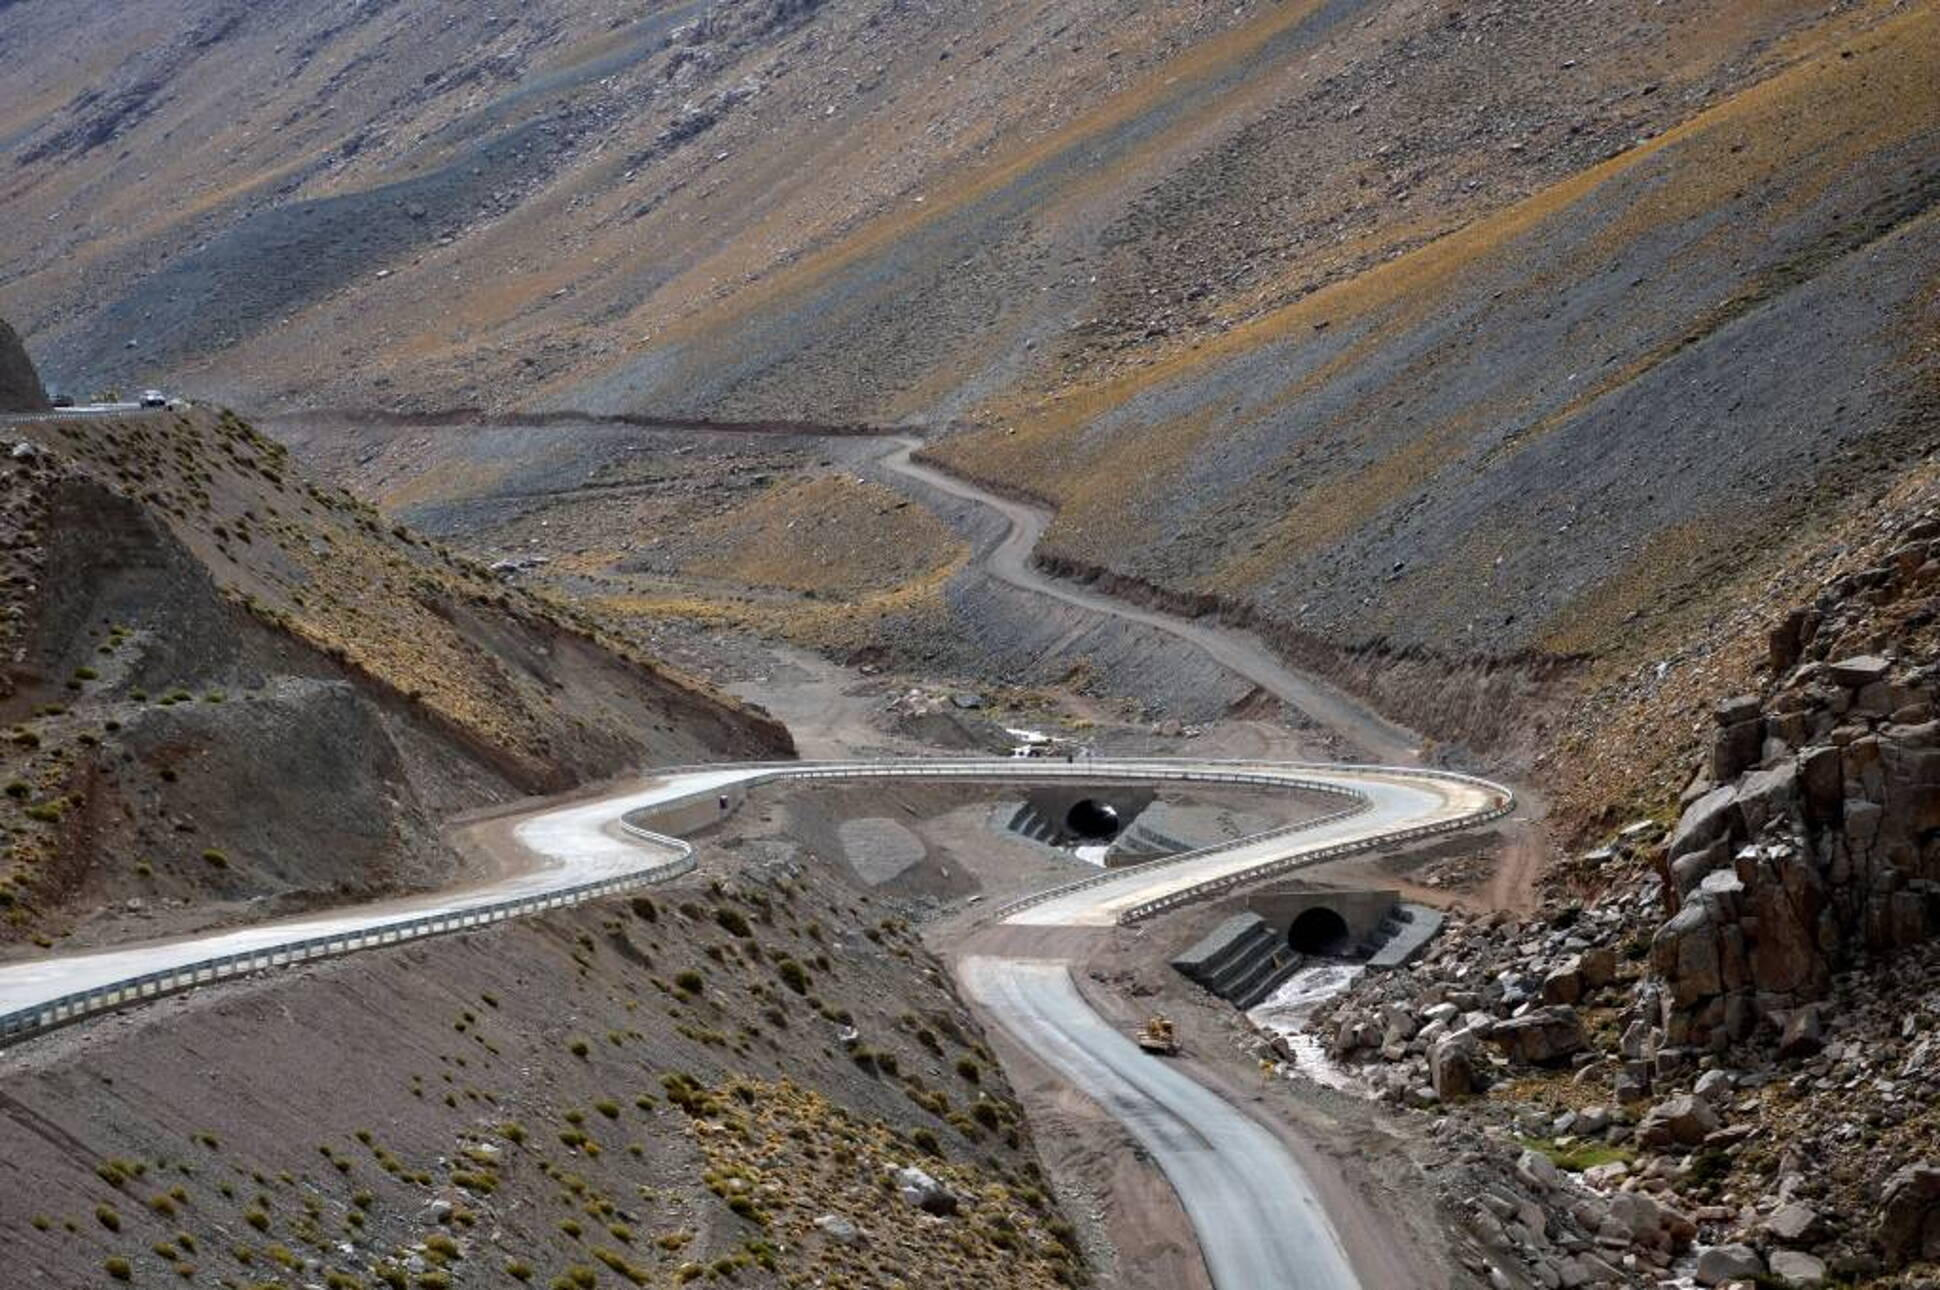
x: 1156, y: 1036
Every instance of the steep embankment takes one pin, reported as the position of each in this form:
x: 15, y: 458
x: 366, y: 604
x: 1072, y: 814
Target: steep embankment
x: 20, y: 388
x: 754, y: 1077
x: 235, y: 691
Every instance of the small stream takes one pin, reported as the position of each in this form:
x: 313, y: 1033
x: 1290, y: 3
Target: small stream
x: 1288, y: 1010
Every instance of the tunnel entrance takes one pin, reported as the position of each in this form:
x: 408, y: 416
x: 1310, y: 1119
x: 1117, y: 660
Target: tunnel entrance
x: 1319, y: 931
x: 1092, y: 820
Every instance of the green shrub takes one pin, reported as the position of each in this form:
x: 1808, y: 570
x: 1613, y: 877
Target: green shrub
x: 119, y: 1269
x: 690, y: 982
x: 215, y: 859
x: 732, y: 922
x: 793, y: 975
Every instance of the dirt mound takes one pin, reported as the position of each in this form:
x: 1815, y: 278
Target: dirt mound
x: 20, y: 388
x: 235, y: 691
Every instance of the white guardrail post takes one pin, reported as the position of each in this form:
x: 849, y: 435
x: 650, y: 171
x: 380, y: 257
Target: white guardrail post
x: 49, y: 1014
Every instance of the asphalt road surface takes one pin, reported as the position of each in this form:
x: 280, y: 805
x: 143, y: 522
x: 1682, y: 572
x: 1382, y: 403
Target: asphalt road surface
x: 1258, y: 1221
x: 1260, y: 1224
x: 583, y: 841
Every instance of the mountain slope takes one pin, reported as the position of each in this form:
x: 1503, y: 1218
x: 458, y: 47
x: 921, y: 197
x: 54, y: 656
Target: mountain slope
x: 1423, y: 334
x: 234, y: 692
x: 20, y: 389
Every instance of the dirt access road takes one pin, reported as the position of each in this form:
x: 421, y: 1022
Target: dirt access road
x: 1010, y: 561
x: 1512, y: 886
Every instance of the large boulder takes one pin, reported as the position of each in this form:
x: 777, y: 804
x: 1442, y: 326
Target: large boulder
x: 1857, y: 673
x: 1686, y: 953
x: 1726, y: 1263
x: 1703, y: 822
x: 925, y: 1192
x: 20, y: 388
x: 1452, y: 1067
x: 1544, y: 1037
x: 1908, y: 1229
x: 1797, y: 1270
x: 1682, y: 1121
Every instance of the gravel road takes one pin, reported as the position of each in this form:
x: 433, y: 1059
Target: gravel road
x: 1381, y: 740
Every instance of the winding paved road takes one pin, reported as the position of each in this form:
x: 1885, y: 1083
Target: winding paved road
x: 1259, y: 1222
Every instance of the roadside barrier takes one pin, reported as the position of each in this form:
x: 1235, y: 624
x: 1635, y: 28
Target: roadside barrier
x: 679, y: 859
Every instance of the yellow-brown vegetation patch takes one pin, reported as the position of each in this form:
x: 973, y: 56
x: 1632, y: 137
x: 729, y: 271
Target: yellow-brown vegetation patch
x: 832, y: 535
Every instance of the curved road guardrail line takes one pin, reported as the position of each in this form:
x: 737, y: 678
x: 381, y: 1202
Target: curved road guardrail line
x: 469, y: 912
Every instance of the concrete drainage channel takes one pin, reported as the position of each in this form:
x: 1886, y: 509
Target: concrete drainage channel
x: 591, y: 863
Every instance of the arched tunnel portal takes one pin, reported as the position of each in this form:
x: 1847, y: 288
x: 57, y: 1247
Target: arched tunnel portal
x: 1319, y: 930
x: 1092, y: 820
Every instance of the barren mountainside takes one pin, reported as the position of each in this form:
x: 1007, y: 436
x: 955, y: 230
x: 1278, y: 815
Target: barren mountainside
x: 1453, y: 332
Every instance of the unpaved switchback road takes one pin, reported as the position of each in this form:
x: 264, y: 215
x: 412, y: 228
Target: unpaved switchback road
x: 1513, y: 885
x: 1260, y: 1223
x: 1010, y: 561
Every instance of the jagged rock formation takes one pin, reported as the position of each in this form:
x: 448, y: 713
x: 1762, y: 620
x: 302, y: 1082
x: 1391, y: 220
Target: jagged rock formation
x: 1808, y: 843
x: 20, y: 388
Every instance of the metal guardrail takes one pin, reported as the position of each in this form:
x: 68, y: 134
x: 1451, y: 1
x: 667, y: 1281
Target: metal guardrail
x: 65, y: 1009
x: 1304, y: 859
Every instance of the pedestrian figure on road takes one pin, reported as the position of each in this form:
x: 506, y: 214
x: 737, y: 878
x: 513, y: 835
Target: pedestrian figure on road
x: 724, y: 803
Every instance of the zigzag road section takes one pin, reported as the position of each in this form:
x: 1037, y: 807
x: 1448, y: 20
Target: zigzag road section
x: 1259, y: 1222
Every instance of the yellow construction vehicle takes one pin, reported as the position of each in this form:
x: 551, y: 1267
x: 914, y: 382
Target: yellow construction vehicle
x: 1156, y: 1036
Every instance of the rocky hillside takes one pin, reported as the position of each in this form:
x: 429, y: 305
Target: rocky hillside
x: 232, y: 691
x: 20, y: 388
x: 1720, y: 1043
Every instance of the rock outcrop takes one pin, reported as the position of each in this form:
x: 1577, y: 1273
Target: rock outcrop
x: 20, y: 388
x: 1810, y: 840
x: 1822, y: 852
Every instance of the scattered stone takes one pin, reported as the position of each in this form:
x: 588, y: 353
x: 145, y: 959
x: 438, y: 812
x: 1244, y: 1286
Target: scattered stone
x: 1909, y: 1217
x: 839, y: 1229
x: 1855, y: 673
x: 1795, y: 1223
x: 1544, y: 1037
x: 1798, y: 1269
x: 925, y: 1192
